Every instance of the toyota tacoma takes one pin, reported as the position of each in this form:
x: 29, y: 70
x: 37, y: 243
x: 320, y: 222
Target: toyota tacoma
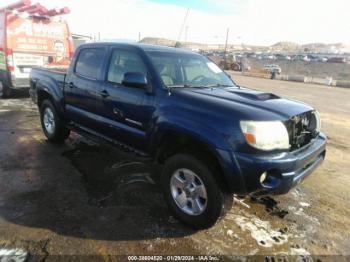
x: 212, y: 137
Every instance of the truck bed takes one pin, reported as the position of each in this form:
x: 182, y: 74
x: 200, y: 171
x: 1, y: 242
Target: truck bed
x: 51, y: 78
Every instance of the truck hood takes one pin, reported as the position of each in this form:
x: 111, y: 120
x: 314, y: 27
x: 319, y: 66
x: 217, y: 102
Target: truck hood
x: 244, y: 98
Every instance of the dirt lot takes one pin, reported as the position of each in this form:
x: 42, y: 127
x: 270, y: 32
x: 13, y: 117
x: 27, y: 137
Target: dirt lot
x: 85, y: 199
x: 339, y: 71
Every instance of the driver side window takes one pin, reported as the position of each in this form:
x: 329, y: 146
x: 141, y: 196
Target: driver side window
x: 122, y: 62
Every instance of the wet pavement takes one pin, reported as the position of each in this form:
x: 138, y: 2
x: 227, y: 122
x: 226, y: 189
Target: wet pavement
x: 82, y: 198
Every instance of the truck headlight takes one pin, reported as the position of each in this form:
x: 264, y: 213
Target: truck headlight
x: 265, y: 135
x: 318, y: 121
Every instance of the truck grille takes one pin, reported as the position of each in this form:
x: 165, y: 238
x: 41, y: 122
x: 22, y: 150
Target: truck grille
x: 302, y: 129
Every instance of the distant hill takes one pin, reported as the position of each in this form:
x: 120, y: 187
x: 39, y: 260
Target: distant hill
x: 283, y: 47
x: 327, y: 47
x: 286, y: 47
x: 158, y: 41
x: 169, y: 42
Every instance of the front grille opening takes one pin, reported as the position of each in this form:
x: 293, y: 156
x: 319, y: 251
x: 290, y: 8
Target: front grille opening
x: 302, y: 129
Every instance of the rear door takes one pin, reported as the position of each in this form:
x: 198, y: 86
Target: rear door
x: 82, y: 85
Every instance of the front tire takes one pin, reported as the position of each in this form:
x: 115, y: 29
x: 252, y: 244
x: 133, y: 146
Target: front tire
x: 52, y: 126
x: 192, y: 192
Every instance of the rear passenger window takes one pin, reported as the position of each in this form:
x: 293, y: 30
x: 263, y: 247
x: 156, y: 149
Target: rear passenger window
x: 89, y: 62
x: 124, y: 62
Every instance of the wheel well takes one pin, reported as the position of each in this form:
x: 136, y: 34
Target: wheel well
x: 43, y: 95
x: 171, y: 143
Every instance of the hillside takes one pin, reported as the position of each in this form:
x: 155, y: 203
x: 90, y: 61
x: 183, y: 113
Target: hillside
x: 278, y: 47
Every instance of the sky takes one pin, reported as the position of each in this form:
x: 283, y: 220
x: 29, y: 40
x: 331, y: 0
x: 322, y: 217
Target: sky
x: 256, y: 22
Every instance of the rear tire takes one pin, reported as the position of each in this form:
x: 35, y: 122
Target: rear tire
x: 5, y: 91
x: 192, y: 192
x: 235, y: 68
x: 53, y: 128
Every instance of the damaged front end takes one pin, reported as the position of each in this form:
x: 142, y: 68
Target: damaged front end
x: 303, y: 129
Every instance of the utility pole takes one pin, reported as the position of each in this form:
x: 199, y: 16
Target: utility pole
x: 186, y: 33
x: 228, y: 30
x: 182, y: 25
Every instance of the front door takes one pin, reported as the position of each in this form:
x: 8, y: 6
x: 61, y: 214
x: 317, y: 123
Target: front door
x: 126, y: 110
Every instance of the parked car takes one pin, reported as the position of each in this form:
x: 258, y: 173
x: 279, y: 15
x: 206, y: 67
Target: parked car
x: 212, y: 137
x: 304, y: 58
x: 340, y: 60
x: 269, y: 57
x: 287, y: 57
x: 323, y: 59
x: 279, y: 56
x: 317, y: 58
x: 272, y: 68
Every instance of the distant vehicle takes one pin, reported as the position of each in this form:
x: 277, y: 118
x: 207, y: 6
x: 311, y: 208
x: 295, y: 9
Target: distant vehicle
x: 323, y: 59
x: 235, y: 63
x: 287, y: 57
x: 279, y: 56
x: 30, y: 36
x: 340, y: 60
x: 304, y: 58
x: 269, y: 57
x: 282, y: 57
x: 211, y: 137
x: 317, y: 58
x: 272, y: 68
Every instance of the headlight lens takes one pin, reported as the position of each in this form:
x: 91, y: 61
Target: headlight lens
x: 318, y: 121
x: 265, y: 135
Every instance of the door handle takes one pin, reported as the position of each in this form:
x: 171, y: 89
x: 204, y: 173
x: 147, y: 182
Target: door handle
x: 118, y: 112
x: 104, y: 93
x: 71, y: 85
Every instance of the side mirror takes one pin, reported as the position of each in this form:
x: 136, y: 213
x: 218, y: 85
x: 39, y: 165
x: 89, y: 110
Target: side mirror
x: 135, y: 79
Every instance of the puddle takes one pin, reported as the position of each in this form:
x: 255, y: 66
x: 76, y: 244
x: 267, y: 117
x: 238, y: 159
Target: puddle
x: 300, y: 212
x: 271, y: 206
x: 261, y: 230
x: 113, y: 178
x: 13, y: 255
x: 304, y: 204
x: 299, y: 251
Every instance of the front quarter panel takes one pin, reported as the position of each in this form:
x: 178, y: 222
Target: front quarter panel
x: 195, y: 122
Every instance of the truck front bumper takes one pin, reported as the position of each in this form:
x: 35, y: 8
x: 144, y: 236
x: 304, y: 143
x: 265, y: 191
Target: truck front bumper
x: 282, y: 171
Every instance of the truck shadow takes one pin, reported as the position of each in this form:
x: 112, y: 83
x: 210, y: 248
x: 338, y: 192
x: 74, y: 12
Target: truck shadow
x: 106, y: 196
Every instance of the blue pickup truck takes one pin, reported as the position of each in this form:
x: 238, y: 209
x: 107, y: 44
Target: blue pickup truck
x: 212, y: 137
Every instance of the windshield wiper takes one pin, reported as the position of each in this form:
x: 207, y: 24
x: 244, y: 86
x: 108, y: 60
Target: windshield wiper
x: 198, y: 86
x: 219, y: 85
x: 179, y: 86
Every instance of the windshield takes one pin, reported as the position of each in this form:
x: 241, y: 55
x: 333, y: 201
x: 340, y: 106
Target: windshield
x: 188, y: 70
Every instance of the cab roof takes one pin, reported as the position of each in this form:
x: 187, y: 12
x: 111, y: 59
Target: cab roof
x: 144, y: 47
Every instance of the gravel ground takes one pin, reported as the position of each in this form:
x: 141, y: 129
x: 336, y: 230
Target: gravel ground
x: 81, y: 198
x: 339, y: 71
